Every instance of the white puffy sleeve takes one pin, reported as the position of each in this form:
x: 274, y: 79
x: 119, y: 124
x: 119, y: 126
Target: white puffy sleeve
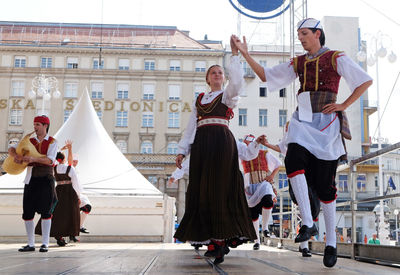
x: 247, y: 152
x: 273, y: 162
x: 353, y: 73
x: 279, y: 76
x: 190, y: 133
x: 231, y: 94
x: 75, y: 182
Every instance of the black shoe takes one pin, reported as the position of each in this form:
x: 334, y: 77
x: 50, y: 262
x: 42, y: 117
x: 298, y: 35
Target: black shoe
x: 43, y: 248
x: 266, y: 234
x: 84, y: 230
x: 26, y: 248
x: 219, y: 260
x: 226, y: 250
x: 305, y: 233
x: 256, y: 246
x: 305, y: 252
x: 330, y: 256
x: 61, y: 241
x: 73, y: 239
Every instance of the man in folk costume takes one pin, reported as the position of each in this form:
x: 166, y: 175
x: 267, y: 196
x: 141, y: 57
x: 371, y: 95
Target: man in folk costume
x: 318, y: 126
x: 39, y: 194
x: 259, y: 176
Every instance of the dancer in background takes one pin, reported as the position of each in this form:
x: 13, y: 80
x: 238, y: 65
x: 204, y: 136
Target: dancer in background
x: 317, y: 128
x: 216, y: 211
x: 39, y: 195
x: 259, y: 174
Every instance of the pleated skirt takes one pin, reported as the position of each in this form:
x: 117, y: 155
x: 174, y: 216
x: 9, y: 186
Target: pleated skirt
x: 216, y: 206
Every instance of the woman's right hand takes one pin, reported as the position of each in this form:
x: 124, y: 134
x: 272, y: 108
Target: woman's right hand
x: 178, y: 160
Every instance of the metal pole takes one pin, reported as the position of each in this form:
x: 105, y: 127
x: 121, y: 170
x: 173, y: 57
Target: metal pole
x: 352, y: 170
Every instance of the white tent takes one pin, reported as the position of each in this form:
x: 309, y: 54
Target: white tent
x: 108, y: 178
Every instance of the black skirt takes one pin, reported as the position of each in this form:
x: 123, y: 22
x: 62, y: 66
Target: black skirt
x: 216, y: 206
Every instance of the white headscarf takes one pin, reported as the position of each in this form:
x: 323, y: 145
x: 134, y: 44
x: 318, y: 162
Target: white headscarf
x: 309, y: 23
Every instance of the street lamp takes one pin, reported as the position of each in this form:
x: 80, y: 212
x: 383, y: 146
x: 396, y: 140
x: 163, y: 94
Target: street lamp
x: 371, y: 56
x: 43, y: 86
x: 396, y: 213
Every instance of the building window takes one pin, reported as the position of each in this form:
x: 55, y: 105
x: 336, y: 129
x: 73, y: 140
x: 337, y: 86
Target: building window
x: 146, y: 147
x: 198, y: 89
x: 282, y: 92
x: 200, y: 66
x: 16, y: 116
x: 343, y: 185
x: 172, y: 148
x: 122, y: 90
x: 148, y: 91
x: 97, y: 65
x: 242, y: 117
x: 149, y: 65
x: 71, y: 90
x: 67, y: 113
x: 72, y: 62
x: 174, y: 92
x: 282, y: 118
x: 97, y: 90
x: 20, y: 62
x: 47, y: 62
x: 262, y: 117
x: 122, y: 145
x: 175, y: 65
x: 148, y: 119
x: 99, y: 114
x: 246, y: 69
x: 122, y: 119
x: 173, y: 120
x: 361, y: 183
x: 283, y: 182
x: 123, y: 64
x: 263, y: 63
x: 263, y: 91
x: 18, y: 88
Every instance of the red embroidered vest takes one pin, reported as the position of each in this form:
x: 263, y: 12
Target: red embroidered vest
x: 319, y: 73
x: 42, y: 148
x: 258, y: 167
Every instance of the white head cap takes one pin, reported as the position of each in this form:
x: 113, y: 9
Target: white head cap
x: 309, y: 23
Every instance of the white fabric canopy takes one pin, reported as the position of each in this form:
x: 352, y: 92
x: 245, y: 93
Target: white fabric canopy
x: 102, y: 168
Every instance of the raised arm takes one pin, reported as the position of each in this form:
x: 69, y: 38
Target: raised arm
x: 242, y: 47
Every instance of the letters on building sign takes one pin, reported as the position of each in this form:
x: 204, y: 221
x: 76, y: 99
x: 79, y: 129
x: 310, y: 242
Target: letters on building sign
x: 106, y: 105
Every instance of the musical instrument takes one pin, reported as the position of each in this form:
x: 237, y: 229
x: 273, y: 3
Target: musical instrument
x: 24, y: 148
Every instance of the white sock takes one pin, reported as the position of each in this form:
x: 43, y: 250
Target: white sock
x: 304, y: 245
x: 266, y: 214
x: 83, y: 218
x: 30, y: 232
x: 46, y: 225
x: 257, y: 229
x: 300, y: 190
x: 329, y: 210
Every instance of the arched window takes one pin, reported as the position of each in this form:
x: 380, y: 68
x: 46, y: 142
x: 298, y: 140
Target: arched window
x: 146, y: 147
x: 172, y: 148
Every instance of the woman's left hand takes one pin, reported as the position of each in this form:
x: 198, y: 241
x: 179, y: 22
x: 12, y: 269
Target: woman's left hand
x: 333, y: 107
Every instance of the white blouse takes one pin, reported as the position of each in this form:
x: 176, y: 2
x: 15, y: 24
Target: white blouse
x: 62, y: 169
x: 230, y: 98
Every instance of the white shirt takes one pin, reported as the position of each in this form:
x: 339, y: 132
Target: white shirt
x: 321, y: 136
x: 51, y: 154
x: 230, y: 98
x: 273, y: 163
x: 62, y: 169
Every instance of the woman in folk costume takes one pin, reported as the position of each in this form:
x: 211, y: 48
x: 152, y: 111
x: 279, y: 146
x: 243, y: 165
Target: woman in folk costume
x: 216, y: 211
x: 66, y: 215
x: 259, y: 173
x: 317, y: 128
